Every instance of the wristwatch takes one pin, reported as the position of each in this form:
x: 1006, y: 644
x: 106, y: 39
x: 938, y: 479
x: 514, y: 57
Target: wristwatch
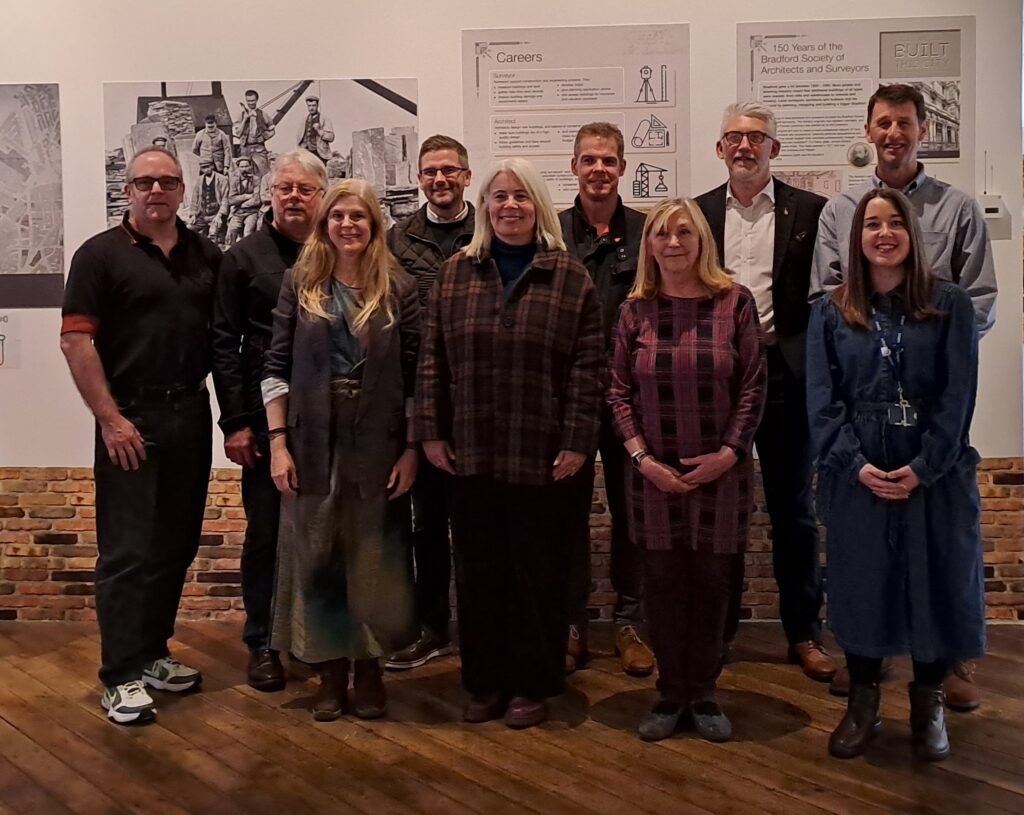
x: 638, y: 457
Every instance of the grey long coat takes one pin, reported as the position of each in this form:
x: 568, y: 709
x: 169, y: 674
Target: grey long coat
x: 300, y: 354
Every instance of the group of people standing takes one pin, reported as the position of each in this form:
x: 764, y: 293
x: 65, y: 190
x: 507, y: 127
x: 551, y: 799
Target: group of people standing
x: 478, y: 358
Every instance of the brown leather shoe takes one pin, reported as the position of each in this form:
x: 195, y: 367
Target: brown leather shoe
x: 637, y: 659
x: 962, y: 693
x: 331, y: 698
x: 814, y: 659
x: 523, y: 712
x: 576, y: 652
x: 370, y: 700
x: 840, y: 684
x: 266, y: 673
x: 485, y: 708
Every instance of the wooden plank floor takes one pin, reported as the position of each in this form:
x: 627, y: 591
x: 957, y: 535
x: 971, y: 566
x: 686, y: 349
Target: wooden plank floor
x: 232, y: 751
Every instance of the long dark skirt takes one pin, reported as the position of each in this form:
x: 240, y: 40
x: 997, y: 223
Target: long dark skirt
x: 344, y: 587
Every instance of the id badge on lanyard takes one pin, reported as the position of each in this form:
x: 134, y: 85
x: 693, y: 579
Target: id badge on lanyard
x: 900, y: 413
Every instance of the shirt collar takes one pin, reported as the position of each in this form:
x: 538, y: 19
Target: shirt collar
x: 915, y: 183
x: 581, y: 228
x: 434, y: 218
x: 768, y: 190
x: 135, y: 237
x: 284, y: 244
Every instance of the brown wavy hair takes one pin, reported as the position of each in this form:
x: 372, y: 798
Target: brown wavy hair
x: 852, y: 296
x: 318, y: 258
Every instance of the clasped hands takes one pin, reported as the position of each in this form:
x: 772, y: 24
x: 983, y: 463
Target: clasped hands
x: 441, y: 454
x: 706, y: 468
x: 892, y: 486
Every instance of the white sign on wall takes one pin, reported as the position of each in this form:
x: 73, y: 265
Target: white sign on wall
x: 526, y: 92
x: 818, y: 76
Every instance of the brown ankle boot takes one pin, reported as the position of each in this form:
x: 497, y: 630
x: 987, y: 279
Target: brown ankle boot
x: 331, y: 698
x: 371, y: 699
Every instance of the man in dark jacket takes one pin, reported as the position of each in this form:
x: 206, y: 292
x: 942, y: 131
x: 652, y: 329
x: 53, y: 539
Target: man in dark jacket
x: 605, y: 236
x: 764, y: 230
x: 247, y: 291
x: 422, y: 243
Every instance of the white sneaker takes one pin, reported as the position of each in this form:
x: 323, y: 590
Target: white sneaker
x: 169, y: 674
x: 128, y: 703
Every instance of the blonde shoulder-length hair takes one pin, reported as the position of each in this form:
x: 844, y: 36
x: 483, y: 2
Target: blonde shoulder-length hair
x: 547, y: 232
x: 319, y: 257
x: 709, y: 270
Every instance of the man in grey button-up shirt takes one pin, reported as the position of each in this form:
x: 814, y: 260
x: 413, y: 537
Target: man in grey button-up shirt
x: 955, y: 232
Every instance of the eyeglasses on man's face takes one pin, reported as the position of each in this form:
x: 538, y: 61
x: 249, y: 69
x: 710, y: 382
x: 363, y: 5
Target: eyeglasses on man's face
x: 144, y: 183
x: 449, y: 173
x: 305, y: 191
x: 754, y: 137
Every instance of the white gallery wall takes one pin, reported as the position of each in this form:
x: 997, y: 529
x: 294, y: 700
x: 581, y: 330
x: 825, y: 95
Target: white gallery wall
x: 82, y: 45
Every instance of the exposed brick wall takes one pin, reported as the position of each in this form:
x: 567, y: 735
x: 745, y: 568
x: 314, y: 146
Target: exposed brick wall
x: 48, y: 547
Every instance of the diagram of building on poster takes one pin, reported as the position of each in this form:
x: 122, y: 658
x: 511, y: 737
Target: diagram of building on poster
x: 818, y: 76
x: 527, y: 91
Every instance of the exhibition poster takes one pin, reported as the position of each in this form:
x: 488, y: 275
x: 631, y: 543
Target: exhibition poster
x: 227, y: 136
x: 527, y: 91
x: 31, y: 201
x: 817, y: 77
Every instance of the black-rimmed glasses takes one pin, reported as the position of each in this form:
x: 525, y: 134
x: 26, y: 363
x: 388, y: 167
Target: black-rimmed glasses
x: 448, y: 172
x: 754, y: 137
x: 144, y: 183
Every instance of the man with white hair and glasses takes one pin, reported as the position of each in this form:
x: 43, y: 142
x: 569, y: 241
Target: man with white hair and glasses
x: 247, y: 290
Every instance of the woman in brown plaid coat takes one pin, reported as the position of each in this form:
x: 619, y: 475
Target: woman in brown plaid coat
x: 508, y: 399
x: 687, y: 393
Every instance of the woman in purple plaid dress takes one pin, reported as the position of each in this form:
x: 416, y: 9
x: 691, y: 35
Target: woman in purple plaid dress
x: 687, y: 393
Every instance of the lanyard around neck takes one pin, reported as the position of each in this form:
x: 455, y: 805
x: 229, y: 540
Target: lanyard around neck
x: 892, y: 354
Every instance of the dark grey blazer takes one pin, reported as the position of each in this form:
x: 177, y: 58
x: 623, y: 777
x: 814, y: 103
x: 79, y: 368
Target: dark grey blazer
x: 796, y: 227
x: 300, y: 354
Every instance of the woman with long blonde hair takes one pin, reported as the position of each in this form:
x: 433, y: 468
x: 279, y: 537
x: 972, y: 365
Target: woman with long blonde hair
x: 688, y: 386
x: 337, y: 384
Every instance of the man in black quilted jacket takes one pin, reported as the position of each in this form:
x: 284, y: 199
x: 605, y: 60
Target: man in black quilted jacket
x: 422, y: 243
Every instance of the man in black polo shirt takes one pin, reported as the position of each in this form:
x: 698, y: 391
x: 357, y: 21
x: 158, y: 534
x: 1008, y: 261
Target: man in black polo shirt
x: 422, y: 243
x: 247, y: 289
x: 605, y: 236
x: 135, y: 333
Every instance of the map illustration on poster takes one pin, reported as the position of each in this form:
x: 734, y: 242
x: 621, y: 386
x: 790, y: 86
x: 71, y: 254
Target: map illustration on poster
x: 527, y: 91
x: 818, y: 76
x: 31, y: 198
x: 227, y: 136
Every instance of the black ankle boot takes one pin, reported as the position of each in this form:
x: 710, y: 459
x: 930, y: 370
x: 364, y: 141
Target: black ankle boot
x: 331, y: 698
x: 927, y: 722
x: 861, y: 722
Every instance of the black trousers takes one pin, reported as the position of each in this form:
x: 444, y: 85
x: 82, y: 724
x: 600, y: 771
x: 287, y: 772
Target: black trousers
x: 866, y: 670
x: 148, y: 523
x: 512, y: 551
x: 262, y: 502
x: 784, y: 450
x: 627, y: 566
x: 687, y: 600
x: 431, y: 504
